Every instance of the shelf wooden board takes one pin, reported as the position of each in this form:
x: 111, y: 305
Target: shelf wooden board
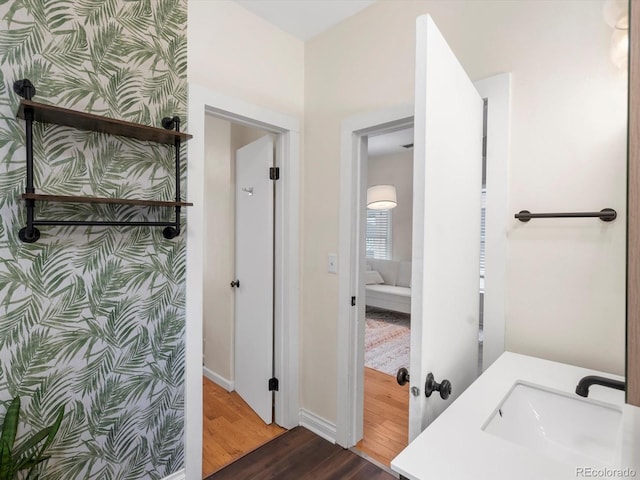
x: 96, y: 123
x: 114, y: 201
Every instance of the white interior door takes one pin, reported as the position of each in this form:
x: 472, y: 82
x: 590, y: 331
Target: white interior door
x: 446, y: 225
x: 254, y: 272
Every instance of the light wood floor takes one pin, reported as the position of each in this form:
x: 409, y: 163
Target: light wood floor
x: 386, y: 416
x: 230, y: 428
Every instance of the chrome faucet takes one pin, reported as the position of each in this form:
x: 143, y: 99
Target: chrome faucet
x: 583, y: 385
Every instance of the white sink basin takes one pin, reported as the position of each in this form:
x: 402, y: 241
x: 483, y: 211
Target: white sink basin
x: 569, y: 428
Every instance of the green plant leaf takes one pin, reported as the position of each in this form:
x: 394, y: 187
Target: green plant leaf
x: 30, y: 452
x: 7, y: 439
x: 5, y: 461
x: 10, y: 425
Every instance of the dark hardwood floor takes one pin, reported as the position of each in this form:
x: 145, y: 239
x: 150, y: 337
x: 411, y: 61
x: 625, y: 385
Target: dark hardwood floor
x: 301, y: 454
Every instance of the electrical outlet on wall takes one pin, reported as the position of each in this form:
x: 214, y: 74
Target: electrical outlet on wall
x: 332, y: 263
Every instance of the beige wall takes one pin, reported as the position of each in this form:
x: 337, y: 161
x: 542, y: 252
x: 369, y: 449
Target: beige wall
x: 239, y: 54
x: 236, y: 53
x: 219, y: 248
x: 396, y: 169
x: 242, y: 135
x: 222, y: 140
x: 565, y: 278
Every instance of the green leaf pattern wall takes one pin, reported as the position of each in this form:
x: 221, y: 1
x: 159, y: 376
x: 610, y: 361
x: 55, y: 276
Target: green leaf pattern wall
x: 93, y: 317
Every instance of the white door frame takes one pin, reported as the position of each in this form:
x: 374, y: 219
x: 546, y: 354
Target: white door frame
x: 349, y: 425
x: 201, y: 102
x: 497, y: 89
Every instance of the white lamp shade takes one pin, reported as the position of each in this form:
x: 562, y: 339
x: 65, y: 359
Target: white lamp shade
x: 616, y: 13
x: 381, y: 197
x: 620, y: 48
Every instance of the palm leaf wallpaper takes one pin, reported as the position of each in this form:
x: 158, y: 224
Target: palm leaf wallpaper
x: 93, y: 317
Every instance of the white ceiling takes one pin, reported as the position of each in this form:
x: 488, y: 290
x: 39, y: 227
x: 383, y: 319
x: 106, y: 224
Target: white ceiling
x: 305, y: 18
x: 389, y: 143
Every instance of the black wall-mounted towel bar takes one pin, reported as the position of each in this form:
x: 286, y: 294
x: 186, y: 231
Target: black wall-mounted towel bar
x: 606, y: 215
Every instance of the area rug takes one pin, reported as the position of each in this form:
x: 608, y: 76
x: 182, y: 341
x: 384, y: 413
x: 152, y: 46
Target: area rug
x: 387, y: 339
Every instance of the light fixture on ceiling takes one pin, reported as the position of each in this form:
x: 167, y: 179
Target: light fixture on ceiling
x: 616, y: 15
x: 381, y: 197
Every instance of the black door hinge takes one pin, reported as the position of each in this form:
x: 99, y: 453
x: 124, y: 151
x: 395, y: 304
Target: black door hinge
x: 353, y: 301
x: 273, y: 384
x: 274, y: 173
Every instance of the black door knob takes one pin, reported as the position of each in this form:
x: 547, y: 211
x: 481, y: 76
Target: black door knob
x: 235, y: 283
x: 402, y: 376
x: 431, y: 386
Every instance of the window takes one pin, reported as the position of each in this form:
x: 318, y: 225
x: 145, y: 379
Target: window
x: 378, y: 243
x: 483, y: 236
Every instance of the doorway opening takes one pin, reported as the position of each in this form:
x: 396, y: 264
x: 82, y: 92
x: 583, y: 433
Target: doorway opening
x: 387, y: 158
x: 281, y: 379
x: 355, y: 131
x: 483, y: 234
x: 239, y: 272
x: 383, y: 263
x: 387, y: 284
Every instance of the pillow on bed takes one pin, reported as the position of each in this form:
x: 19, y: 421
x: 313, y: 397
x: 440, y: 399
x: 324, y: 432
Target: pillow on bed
x: 371, y: 277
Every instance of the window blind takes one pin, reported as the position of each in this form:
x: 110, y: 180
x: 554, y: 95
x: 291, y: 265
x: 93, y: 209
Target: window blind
x: 378, y: 241
x: 483, y: 235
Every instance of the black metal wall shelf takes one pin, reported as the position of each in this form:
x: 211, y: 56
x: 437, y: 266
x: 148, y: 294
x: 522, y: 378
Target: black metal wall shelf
x: 31, y: 111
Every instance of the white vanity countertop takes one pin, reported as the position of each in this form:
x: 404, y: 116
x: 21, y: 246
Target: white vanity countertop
x: 455, y: 447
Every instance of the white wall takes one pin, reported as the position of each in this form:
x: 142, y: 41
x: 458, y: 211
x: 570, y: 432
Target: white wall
x: 566, y: 278
x: 396, y: 169
x: 242, y: 135
x: 235, y: 52
x: 219, y: 248
x: 238, y: 54
x: 222, y: 140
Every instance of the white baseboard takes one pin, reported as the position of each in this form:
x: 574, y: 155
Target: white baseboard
x: 318, y: 425
x: 179, y: 475
x: 228, y: 385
